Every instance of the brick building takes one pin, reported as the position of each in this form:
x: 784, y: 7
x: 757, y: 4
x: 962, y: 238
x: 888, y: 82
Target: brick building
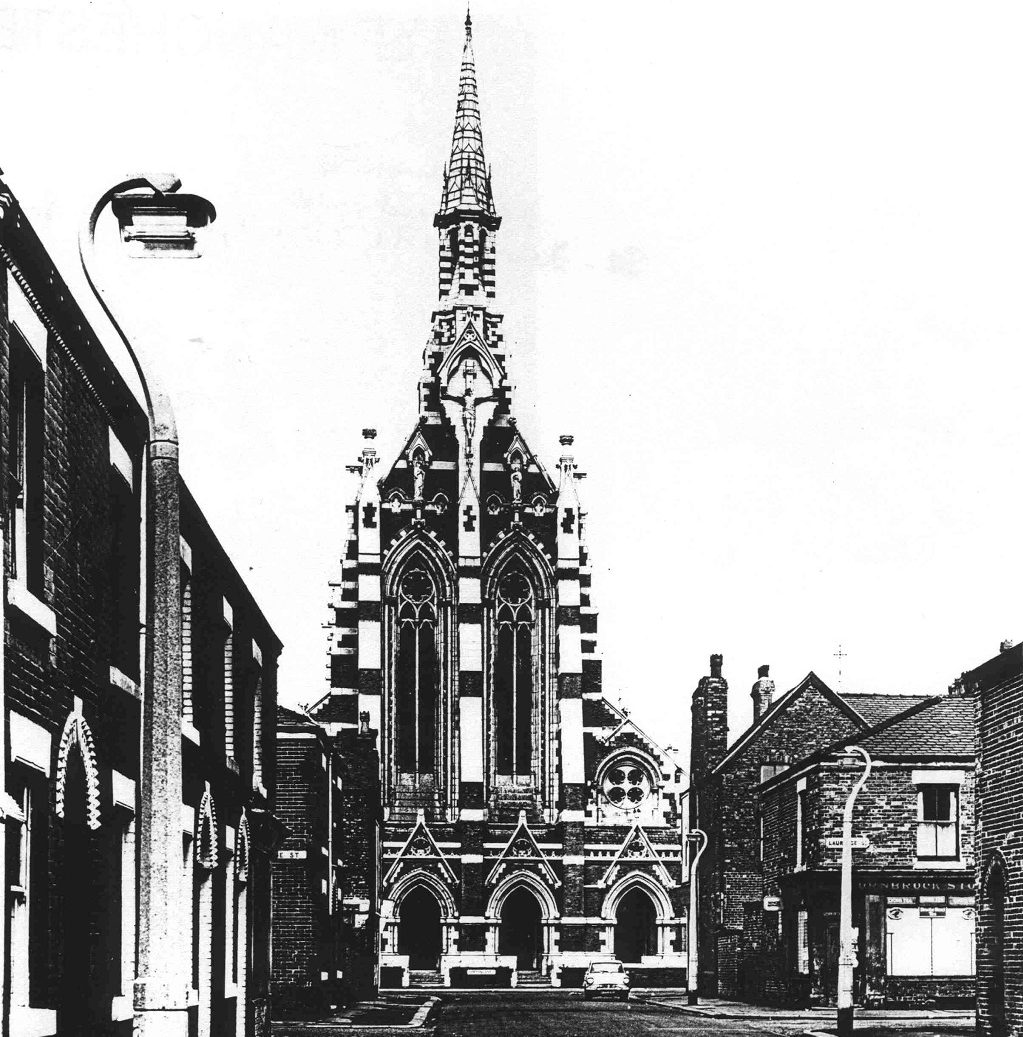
x: 998, y: 685
x: 723, y: 796
x: 325, y: 876
x: 912, y: 897
x: 105, y: 932
x: 529, y: 825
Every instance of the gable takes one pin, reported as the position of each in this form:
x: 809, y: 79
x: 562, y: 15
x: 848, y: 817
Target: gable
x: 804, y: 720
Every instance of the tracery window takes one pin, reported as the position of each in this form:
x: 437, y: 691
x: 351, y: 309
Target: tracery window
x: 513, y: 673
x: 416, y: 673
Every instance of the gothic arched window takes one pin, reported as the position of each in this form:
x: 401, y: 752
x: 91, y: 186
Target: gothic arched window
x: 416, y: 672
x: 513, y: 673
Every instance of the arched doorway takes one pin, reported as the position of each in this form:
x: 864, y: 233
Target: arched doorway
x: 994, y: 919
x: 521, y: 931
x: 635, y: 926
x: 78, y: 895
x: 419, y: 932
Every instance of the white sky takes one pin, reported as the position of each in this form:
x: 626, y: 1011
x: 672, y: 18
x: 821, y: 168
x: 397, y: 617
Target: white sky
x: 762, y: 260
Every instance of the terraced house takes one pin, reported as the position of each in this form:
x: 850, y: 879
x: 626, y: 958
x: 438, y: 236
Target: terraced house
x: 137, y: 826
x: 529, y: 825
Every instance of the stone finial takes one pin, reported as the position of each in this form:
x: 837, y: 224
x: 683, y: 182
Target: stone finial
x: 369, y: 433
x: 715, y: 665
x: 566, y: 440
x: 762, y: 693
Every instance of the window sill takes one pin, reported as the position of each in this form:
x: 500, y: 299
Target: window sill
x: 189, y: 732
x: 122, y: 1008
x: 33, y: 1022
x: 23, y: 601
x: 121, y: 680
x: 938, y: 864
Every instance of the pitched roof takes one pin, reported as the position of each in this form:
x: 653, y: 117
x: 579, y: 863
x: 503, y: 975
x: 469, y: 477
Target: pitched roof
x: 466, y: 182
x: 876, y: 709
x: 943, y: 727
x: 291, y: 716
x: 781, y: 704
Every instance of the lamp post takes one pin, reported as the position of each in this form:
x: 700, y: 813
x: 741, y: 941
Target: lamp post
x: 154, y: 220
x: 847, y: 936
x: 696, y: 836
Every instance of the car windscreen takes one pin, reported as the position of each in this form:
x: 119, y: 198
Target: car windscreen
x: 607, y: 966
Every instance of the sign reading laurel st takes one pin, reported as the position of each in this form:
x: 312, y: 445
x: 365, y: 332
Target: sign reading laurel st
x: 858, y: 842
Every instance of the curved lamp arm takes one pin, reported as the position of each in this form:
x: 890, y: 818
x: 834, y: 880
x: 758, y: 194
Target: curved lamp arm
x: 162, y: 424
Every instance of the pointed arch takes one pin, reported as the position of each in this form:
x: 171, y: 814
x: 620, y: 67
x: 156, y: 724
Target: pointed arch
x: 517, y: 545
x: 523, y: 880
x: 78, y: 735
x: 242, y: 855
x: 419, y: 544
x: 420, y: 878
x: 207, y: 851
x: 470, y: 346
x: 633, y: 880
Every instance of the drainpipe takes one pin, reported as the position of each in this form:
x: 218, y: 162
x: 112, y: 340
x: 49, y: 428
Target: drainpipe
x: 697, y: 835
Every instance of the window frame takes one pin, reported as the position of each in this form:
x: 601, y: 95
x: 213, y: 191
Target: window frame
x: 936, y: 824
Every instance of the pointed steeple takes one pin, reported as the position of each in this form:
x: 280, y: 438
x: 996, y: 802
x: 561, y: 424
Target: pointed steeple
x: 466, y: 181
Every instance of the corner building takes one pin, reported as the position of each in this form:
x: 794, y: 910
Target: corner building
x: 529, y: 826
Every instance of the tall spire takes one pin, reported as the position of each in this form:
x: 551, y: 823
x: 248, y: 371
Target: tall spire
x: 466, y: 182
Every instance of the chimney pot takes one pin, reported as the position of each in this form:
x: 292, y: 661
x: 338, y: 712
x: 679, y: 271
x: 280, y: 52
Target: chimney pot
x: 763, y: 670
x: 715, y: 665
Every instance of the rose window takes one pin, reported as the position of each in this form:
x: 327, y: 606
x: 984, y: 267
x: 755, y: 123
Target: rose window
x: 626, y: 785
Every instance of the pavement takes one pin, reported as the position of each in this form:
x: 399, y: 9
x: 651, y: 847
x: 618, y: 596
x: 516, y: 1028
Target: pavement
x: 514, y: 1013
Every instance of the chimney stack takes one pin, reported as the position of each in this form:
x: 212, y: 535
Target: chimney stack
x: 762, y: 693
x: 709, y: 730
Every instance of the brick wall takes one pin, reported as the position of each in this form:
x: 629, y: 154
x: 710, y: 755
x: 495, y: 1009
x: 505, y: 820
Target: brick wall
x: 1000, y: 845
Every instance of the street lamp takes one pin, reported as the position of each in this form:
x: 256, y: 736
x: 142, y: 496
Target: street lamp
x: 847, y: 936
x: 155, y: 220
x: 696, y: 837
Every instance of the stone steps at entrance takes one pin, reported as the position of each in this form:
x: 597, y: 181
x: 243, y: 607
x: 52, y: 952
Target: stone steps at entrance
x: 533, y: 979
x: 424, y: 978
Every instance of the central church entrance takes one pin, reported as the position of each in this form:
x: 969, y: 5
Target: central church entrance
x: 635, y: 927
x: 521, y: 930
x: 419, y: 934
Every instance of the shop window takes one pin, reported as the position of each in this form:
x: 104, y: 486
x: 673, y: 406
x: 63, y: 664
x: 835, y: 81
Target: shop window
x: 937, y: 833
x: 930, y: 940
x: 802, y: 944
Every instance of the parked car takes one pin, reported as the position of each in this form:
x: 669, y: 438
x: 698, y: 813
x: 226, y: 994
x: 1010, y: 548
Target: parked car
x: 607, y: 978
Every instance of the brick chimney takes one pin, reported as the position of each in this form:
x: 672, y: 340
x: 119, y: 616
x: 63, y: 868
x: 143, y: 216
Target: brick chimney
x: 762, y: 693
x: 710, y: 723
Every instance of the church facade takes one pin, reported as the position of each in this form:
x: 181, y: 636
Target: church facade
x: 529, y: 826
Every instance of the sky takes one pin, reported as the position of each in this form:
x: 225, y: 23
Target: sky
x: 761, y: 260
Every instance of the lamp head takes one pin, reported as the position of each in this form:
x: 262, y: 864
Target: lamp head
x: 157, y: 221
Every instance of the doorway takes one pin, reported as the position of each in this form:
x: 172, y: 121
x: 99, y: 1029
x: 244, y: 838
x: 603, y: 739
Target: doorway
x: 635, y: 927
x: 419, y: 930
x: 76, y: 996
x: 521, y: 930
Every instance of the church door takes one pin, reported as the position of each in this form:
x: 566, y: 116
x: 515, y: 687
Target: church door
x: 635, y: 927
x: 419, y: 930
x: 522, y: 929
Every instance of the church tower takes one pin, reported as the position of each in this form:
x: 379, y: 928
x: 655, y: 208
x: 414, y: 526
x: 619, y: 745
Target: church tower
x: 463, y: 631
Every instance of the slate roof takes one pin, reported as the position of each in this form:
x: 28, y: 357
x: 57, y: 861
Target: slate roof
x: 466, y: 182
x: 944, y: 728
x: 876, y: 709
x: 290, y: 716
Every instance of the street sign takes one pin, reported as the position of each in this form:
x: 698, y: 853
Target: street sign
x: 858, y: 842
x: 772, y: 903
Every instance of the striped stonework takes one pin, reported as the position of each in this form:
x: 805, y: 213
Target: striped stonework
x: 528, y: 823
